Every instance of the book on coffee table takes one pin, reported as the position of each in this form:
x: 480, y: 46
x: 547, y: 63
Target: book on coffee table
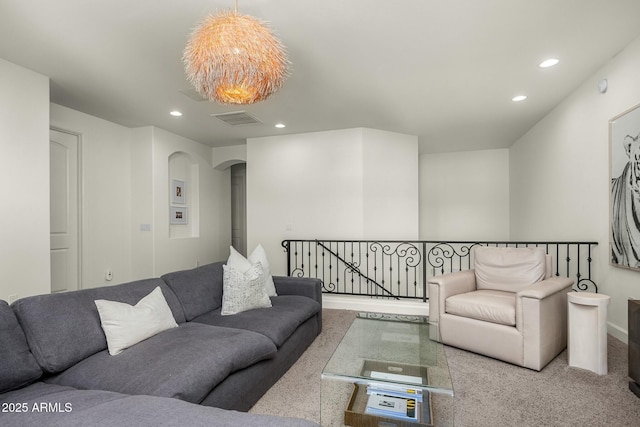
x: 396, y: 391
x: 389, y: 406
x: 356, y: 413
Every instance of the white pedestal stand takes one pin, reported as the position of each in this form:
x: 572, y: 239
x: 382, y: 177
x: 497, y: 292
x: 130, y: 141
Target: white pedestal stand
x: 587, y: 339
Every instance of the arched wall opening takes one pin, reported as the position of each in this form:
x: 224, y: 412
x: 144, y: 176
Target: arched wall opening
x: 184, y: 196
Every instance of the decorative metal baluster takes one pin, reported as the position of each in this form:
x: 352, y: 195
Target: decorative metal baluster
x: 324, y: 281
x: 285, y: 245
x: 359, y: 263
x: 375, y: 267
x: 424, y: 273
x: 316, y: 257
x: 578, y: 269
x: 568, y: 261
x: 334, y: 254
x: 309, y: 257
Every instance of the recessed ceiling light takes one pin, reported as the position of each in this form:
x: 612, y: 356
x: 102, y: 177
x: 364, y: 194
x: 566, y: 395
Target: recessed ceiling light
x: 280, y: 125
x: 548, y: 63
x: 176, y: 113
x: 519, y: 98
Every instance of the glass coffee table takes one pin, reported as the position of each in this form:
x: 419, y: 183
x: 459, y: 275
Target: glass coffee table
x: 388, y: 371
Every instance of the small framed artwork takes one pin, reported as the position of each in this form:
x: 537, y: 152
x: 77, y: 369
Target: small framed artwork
x: 178, y: 215
x: 624, y: 145
x: 178, y: 192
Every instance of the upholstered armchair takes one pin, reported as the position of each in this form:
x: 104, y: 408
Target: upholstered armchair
x: 508, y: 306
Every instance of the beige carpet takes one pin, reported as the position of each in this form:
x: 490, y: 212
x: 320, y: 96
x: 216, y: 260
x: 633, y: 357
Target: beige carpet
x: 487, y: 392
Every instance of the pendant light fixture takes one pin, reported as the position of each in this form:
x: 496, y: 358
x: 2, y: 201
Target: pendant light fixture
x: 234, y: 59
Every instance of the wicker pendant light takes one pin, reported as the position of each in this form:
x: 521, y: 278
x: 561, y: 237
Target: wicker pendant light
x: 234, y: 59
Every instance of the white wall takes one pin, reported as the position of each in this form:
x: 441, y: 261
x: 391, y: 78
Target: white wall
x: 329, y: 185
x: 225, y: 157
x: 465, y: 195
x: 390, y: 185
x: 24, y: 174
x: 560, y: 176
x: 143, y: 253
x: 210, y: 237
x: 106, y: 195
x: 126, y: 189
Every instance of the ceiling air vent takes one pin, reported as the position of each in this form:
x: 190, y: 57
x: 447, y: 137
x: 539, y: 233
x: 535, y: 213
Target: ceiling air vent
x: 237, y: 118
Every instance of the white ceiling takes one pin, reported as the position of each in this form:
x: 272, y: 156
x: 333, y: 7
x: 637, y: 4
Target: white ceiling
x: 444, y: 70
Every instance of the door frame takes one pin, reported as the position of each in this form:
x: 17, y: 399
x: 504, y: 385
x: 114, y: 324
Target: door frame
x: 80, y: 196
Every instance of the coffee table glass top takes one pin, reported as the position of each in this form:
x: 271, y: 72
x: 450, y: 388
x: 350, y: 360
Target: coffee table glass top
x: 391, y: 349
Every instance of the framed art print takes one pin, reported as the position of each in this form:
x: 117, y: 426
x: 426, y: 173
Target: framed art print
x: 178, y: 192
x: 624, y: 205
x: 178, y: 215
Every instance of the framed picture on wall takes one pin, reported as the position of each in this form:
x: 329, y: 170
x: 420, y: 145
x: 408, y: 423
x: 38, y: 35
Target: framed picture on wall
x: 624, y: 206
x: 178, y: 215
x: 178, y: 192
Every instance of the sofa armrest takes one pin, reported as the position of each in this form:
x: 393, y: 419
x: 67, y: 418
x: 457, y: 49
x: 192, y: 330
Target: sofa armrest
x: 442, y: 287
x: 305, y: 286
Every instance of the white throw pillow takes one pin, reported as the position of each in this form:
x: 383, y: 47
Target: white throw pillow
x: 125, y: 325
x: 237, y: 261
x: 242, y: 291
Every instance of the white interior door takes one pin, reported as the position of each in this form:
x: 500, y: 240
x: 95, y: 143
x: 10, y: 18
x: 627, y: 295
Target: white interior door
x: 64, y: 199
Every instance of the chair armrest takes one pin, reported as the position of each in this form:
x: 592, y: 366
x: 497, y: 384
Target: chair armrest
x: 455, y: 283
x: 305, y: 286
x: 442, y: 287
x: 546, y: 288
x: 540, y: 291
x: 541, y: 318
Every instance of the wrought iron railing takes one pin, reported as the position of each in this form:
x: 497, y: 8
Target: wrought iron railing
x: 397, y: 269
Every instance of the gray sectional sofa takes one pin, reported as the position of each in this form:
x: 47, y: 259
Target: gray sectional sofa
x: 54, y: 357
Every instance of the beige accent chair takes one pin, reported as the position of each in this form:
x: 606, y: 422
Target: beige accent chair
x: 508, y: 306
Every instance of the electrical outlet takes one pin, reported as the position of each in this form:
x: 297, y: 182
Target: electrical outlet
x: 108, y: 275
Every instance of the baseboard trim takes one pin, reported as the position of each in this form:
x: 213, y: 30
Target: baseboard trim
x: 618, y: 332
x: 355, y: 303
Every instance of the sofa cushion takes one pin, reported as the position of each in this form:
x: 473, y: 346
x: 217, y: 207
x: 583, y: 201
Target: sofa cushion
x: 80, y: 408
x: 243, y: 291
x: 184, y: 363
x: 63, y: 329
x: 287, y: 312
x: 508, y: 269
x: 488, y: 305
x: 18, y: 367
x: 125, y: 325
x: 199, y: 290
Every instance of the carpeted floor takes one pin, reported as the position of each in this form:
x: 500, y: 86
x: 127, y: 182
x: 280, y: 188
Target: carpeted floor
x: 487, y: 392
